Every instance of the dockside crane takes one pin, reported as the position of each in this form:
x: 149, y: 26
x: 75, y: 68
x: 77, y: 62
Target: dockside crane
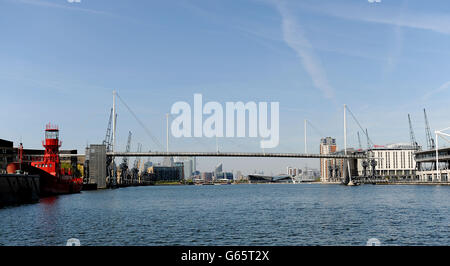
x: 107, y: 141
x: 430, y: 140
x: 411, y: 135
x: 110, y: 165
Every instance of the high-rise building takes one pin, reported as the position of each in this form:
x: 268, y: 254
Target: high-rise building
x: 188, y: 165
x: 218, y: 171
x: 291, y: 171
x: 327, y: 146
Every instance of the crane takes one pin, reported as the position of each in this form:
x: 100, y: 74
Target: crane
x: 430, y: 140
x: 110, y: 165
x: 411, y: 134
x: 107, y: 140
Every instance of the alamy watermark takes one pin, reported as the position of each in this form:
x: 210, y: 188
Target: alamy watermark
x: 73, y: 242
x: 373, y: 242
x: 235, y: 120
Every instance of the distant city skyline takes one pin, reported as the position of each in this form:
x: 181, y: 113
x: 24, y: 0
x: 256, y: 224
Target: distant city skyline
x: 60, y: 62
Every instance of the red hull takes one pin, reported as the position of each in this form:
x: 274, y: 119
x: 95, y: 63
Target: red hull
x: 61, y: 188
x: 52, y: 185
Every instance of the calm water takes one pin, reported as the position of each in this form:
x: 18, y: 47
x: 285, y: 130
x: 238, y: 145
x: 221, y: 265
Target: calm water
x: 306, y: 214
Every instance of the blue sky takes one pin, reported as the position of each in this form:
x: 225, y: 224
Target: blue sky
x: 60, y: 61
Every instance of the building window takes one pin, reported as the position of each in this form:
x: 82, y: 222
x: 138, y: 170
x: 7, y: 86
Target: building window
x: 387, y: 161
x: 395, y: 160
x: 403, y: 160
x: 393, y: 157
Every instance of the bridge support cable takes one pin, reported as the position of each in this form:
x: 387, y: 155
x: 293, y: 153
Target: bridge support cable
x: 196, y: 139
x: 318, y: 132
x: 154, y: 139
x: 362, y: 129
x: 315, y: 128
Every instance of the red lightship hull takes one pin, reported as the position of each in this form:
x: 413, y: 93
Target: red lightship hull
x: 49, y: 184
x: 56, y: 186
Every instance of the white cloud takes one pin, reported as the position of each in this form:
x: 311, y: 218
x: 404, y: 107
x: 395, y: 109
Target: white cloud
x: 61, y: 6
x: 442, y: 88
x: 437, y: 22
x: 294, y: 36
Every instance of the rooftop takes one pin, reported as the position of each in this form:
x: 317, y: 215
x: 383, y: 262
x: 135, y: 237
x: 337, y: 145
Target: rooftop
x: 394, y: 146
x: 6, y: 143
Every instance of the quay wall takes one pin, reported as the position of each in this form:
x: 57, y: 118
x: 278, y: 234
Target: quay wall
x: 18, y: 189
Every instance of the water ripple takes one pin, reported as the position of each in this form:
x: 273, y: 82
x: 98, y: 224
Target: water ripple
x: 235, y: 215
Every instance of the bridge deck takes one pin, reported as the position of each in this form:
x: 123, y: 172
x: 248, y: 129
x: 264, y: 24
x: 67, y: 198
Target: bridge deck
x: 232, y: 154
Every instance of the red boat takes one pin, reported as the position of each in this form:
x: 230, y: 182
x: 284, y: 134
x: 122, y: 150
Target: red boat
x: 54, y: 180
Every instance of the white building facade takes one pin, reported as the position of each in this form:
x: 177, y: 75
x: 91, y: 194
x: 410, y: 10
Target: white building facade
x: 394, y: 160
